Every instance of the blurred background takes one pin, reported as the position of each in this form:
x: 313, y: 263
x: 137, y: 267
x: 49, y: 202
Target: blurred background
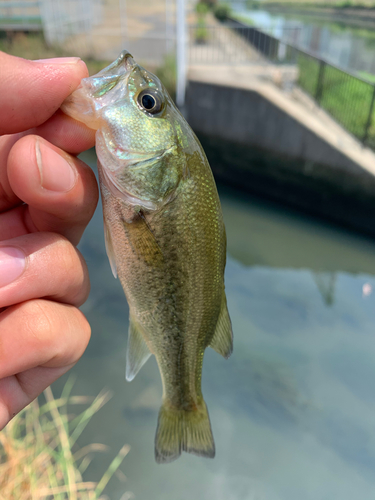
x: 281, y: 95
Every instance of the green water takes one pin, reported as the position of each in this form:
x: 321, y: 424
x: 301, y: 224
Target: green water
x: 293, y: 410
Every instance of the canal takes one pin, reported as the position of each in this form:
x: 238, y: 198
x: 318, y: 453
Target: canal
x: 351, y: 48
x: 293, y: 409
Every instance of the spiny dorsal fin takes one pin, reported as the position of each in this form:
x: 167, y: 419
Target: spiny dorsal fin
x: 222, y: 341
x: 137, y: 352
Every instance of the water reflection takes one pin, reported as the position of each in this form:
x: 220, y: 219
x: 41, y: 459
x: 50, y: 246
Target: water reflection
x: 345, y: 46
x: 293, y: 409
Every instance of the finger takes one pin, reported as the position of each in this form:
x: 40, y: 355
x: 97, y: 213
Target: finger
x: 39, y: 341
x: 66, y: 133
x: 7, y: 196
x: 31, y: 91
x: 60, y: 190
x: 41, y: 333
x: 42, y: 265
x: 17, y: 391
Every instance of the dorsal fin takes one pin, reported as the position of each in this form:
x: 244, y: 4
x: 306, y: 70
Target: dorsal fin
x: 222, y: 341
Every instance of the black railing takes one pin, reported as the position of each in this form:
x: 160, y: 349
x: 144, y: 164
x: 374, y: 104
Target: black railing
x: 349, y: 99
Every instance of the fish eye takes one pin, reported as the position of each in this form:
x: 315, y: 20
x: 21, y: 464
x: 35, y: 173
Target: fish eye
x: 150, y: 100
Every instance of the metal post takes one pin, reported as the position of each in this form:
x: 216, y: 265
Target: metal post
x: 319, y: 86
x: 369, y: 119
x: 123, y: 22
x: 181, y: 54
x: 168, y: 25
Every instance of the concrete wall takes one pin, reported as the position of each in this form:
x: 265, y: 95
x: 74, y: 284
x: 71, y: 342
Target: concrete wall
x: 257, y: 146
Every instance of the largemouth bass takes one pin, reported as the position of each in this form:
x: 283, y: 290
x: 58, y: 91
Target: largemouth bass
x: 165, y: 239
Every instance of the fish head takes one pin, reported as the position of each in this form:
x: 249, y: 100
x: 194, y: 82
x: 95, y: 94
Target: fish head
x: 140, y: 130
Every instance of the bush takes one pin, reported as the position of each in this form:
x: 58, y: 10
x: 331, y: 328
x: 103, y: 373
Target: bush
x: 222, y: 11
x: 167, y: 73
x: 202, y: 8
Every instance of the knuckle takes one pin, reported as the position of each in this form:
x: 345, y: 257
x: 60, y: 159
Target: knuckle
x: 77, y: 337
x: 60, y: 330
x: 73, y: 271
x: 39, y: 323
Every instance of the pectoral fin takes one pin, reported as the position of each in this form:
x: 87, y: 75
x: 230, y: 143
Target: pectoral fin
x: 143, y: 241
x: 109, y: 249
x: 222, y: 341
x: 137, y: 351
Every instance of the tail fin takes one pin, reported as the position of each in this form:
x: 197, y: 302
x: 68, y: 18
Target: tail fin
x: 182, y: 430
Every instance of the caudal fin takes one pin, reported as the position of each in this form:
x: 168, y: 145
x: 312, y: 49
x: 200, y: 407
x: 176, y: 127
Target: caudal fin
x: 181, y: 430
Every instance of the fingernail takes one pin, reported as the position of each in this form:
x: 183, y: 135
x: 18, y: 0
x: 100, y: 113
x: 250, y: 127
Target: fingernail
x: 59, y: 60
x: 56, y: 173
x: 12, y: 264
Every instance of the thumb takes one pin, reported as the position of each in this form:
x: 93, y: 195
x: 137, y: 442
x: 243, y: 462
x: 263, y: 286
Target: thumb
x: 31, y: 91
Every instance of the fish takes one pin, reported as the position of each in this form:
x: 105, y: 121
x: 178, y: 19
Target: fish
x: 165, y: 239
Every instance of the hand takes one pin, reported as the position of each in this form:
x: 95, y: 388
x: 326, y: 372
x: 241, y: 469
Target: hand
x: 47, y: 198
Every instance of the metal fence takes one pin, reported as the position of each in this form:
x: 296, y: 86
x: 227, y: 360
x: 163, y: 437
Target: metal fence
x: 348, y: 98
x: 232, y: 43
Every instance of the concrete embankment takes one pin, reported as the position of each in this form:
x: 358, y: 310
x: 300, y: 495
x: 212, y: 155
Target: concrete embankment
x: 262, y: 140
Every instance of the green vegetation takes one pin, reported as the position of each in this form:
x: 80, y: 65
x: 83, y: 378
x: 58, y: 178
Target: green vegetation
x: 308, y: 73
x: 243, y: 18
x: 320, y: 4
x: 367, y: 76
x: 20, y: 20
x: 202, y: 9
x: 222, y: 11
x: 167, y: 73
x: 345, y: 97
x: 39, y: 457
x: 201, y: 32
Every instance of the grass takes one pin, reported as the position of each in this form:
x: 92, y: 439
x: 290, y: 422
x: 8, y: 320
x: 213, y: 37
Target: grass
x: 345, y: 97
x: 367, y: 76
x: 39, y: 457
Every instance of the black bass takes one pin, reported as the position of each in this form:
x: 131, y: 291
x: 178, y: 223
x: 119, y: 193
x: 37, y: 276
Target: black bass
x: 165, y: 239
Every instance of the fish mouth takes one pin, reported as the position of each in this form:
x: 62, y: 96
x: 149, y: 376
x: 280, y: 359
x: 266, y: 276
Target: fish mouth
x: 98, y: 85
x: 124, y: 59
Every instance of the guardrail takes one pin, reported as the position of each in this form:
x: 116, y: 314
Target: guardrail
x: 349, y: 99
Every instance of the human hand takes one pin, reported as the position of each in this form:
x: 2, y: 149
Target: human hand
x: 47, y: 198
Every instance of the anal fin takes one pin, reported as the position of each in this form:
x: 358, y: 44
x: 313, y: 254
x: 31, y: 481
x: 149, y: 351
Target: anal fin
x: 137, y: 352
x: 222, y: 341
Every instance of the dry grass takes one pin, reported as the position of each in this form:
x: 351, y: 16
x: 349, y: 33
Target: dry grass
x: 36, y: 452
